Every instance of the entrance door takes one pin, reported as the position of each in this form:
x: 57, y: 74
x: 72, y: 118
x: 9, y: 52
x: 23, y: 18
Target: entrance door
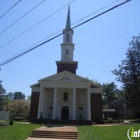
x: 65, y: 113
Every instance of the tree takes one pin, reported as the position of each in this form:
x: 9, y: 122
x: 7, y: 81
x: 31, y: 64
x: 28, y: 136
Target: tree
x: 2, y: 92
x: 18, y: 96
x: 128, y: 73
x: 18, y: 108
x: 110, y: 92
x: 29, y: 98
x: 10, y: 95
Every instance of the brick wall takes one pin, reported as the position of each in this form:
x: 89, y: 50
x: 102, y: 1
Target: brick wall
x: 69, y: 67
x: 34, y: 105
x: 96, y: 107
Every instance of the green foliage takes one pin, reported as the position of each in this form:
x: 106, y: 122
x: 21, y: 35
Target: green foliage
x: 18, y: 96
x: 11, y: 122
x: 128, y: 73
x: 2, y: 93
x: 29, y: 98
x: 109, y: 120
x: 110, y: 93
x: 18, y: 108
x: 95, y: 81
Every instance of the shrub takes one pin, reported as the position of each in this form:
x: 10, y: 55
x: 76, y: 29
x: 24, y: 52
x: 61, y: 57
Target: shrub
x: 18, y: 118
x: 11, y: 122
x: 109, y: 120
x: 41, y: 117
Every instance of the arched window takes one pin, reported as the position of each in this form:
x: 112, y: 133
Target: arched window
x: 67, y: 37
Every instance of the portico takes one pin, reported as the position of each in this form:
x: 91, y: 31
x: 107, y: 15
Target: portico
x: 52, y: 96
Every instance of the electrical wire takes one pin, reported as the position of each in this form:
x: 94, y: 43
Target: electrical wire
x: 21, y: 17
x: 15, y: 57
x: 61, y: 29
x: 35, y: 25
x: 10, y: 9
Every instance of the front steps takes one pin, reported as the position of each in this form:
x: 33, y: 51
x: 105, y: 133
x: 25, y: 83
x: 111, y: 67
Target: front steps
x: 55, y: 132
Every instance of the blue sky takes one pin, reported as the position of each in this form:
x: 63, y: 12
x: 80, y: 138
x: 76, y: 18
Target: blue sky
x: 100, y: 44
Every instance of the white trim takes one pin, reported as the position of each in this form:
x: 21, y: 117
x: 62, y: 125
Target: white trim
x: 65, y: 73
x: 35, y: 89
x: 54, y: 103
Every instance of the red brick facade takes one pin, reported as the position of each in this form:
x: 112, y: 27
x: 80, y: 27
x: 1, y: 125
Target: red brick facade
x: 96, y: 107
x: 71, y: 67
x: 34, y: 105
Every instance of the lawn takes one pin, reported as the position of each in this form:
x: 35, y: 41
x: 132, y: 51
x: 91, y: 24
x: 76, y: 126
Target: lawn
x: 21, y: 131
x: 17, y: 131
x: 105, y: 132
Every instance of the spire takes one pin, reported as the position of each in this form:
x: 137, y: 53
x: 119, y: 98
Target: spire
x: 68, y: 24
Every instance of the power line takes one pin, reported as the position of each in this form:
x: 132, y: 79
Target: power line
x: 61, y: 29
x: 35, y: 25
x: 15, y: 57
x: 9, y: 9
x: 21, y: 17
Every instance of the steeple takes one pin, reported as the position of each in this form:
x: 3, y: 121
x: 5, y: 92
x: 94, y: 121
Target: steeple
x: 68, y: 23
x: 67, y: 49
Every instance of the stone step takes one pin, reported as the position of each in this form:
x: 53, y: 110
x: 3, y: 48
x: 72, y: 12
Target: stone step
x: 54, y: 134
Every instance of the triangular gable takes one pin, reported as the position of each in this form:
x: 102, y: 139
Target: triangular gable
x: 65, y: 76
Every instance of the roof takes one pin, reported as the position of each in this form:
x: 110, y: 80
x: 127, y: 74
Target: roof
x: 108, y: 110
x: 68, y: 23
x: 65, y: 74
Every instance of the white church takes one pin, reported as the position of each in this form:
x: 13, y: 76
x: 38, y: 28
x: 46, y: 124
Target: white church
x: 66, y: 96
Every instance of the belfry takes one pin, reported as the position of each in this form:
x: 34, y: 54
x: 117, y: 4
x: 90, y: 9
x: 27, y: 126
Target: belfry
x: 67, y: 50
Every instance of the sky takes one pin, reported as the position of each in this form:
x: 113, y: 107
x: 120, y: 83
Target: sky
x: 100, y: 45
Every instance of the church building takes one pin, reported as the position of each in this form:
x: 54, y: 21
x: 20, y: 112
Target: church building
x: 66, y: 95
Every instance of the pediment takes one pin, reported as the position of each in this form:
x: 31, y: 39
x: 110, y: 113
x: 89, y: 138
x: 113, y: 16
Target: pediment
x: 65, y: 76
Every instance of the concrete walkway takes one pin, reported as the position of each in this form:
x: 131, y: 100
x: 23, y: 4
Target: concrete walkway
x: 54, y: 127
x: 60, y: 128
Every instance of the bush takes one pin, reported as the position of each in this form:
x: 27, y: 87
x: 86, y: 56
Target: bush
x: 109, y: 120
x: 11, y: 122
x: 18, y: 118
x: 41, y: 118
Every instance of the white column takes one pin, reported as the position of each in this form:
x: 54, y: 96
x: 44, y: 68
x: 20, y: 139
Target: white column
x: 54, y: 103
x: 40, y: 103
x: 88, y: 105
x: 74, y: 105
x: 45, y: 104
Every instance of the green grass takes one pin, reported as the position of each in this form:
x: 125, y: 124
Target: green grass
x: 17, y: 131
x: 21, y: 131
x: 105, y: 132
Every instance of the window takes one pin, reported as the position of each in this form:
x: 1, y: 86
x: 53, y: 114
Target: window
x: 67, y: 37
x: 67, y: 54
x: 65, y: 96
